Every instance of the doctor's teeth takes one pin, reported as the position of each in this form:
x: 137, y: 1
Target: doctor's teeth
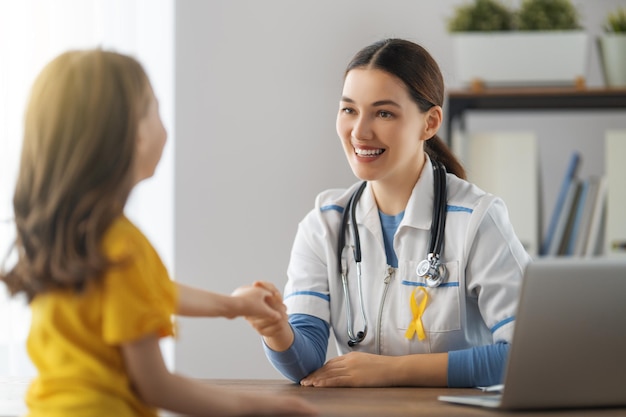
x: 368, y: 152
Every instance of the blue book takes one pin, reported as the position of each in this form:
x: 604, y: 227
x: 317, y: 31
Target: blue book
x: 570, y: 174
x: 578, y: 215
x: 563, y: 228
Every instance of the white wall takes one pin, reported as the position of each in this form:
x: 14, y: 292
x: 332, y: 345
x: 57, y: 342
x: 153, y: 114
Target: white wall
x: 257, y: 89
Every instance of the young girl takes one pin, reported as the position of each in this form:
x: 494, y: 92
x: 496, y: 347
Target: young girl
x: 100, y: 296
x: 429, y: 296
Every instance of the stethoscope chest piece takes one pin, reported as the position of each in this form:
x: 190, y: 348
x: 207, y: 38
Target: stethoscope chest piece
x: 432, y: 270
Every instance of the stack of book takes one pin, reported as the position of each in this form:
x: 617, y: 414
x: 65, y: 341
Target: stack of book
x: 577, y: 224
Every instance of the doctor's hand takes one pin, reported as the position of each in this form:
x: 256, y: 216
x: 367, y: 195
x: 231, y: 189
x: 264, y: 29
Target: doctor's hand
x: 269, y: 325
x: 354, y: 369
x: 276, y: 330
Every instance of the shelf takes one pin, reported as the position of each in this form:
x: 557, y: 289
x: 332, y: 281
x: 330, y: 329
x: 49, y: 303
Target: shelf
x: 529, y: 98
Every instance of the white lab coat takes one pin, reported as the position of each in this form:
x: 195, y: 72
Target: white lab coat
x: 475, y: 306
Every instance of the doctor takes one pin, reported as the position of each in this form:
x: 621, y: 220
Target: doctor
x: 426, y: 294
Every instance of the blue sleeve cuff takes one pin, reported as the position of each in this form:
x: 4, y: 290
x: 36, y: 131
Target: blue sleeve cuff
x: 308, y: 350
x: 477, y: 366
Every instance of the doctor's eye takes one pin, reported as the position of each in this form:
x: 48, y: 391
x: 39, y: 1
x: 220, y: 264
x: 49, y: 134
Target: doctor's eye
x: 347, y: 110
x: 385, y: 114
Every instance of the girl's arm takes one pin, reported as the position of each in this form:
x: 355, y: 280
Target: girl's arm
x: 159, y: 388
x: 245, y: 301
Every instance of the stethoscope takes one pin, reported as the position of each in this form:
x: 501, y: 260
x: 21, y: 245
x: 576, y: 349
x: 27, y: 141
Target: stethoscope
x: 430, y: 269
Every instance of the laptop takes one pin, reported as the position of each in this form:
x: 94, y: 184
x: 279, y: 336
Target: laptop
x: 569, y: 338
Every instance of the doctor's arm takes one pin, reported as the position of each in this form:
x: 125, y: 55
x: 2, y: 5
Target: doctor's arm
x: 308, y: 351
x: 471, y: 367
x: 296, y: 345
x: 483, y: 365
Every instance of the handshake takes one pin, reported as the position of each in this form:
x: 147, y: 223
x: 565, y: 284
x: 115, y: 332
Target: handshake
x: 262, y: 306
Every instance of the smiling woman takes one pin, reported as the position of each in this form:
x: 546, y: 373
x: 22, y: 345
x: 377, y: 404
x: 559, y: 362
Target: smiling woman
x: 71, y: 24
x: 373, y: 255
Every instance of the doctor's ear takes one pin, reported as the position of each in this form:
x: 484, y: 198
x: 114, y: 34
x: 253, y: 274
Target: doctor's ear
x: 433, y: 119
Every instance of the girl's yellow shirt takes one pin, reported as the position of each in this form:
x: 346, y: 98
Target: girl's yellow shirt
x: 75, y: 338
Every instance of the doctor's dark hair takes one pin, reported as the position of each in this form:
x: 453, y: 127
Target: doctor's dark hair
x: 419, y: 72
x: 77, y: 168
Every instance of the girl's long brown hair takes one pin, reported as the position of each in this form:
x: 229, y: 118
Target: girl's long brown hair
x: 76, y: 168
x: 419, y: 72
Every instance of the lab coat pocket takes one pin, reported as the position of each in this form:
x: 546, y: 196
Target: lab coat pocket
x: 438, y: 307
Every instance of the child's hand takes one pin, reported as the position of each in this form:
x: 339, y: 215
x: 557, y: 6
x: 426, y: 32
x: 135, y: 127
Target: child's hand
x: 257, y: 301
x: 276, y: 301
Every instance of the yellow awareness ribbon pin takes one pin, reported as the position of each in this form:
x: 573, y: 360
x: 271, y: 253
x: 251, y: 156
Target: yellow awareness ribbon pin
x: 416, y: 325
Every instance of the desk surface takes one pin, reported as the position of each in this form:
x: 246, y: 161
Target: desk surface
x: 389, y: 402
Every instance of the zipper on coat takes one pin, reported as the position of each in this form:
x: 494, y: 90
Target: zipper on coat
x: 388, y: 276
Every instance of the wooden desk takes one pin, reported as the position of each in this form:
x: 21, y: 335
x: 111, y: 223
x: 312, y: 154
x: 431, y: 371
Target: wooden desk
x: 389, y: 402
x: 515, y: 99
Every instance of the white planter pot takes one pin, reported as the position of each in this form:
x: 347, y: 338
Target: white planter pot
x: 613, y: 55
x: 521, y: 58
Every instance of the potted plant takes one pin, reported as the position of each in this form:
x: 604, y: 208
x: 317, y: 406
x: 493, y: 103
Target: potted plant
x: 541, y: 43
x: 481, y: 16
x: 543, y: 15
x: 612, y: 46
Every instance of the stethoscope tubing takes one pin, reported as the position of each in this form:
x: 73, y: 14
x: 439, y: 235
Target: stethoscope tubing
x: 435, y: 271
x: 439, y: 210
x: 350, y: 212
